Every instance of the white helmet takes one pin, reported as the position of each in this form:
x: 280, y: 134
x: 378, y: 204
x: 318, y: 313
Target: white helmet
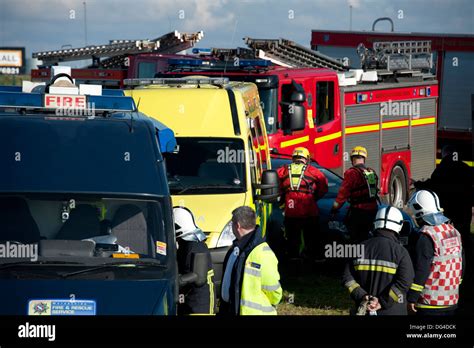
x: 185, y: 227
x: 389, y: 218
x: 424, y: 205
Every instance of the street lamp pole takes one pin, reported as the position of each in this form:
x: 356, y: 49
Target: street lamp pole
x: 85, y: 22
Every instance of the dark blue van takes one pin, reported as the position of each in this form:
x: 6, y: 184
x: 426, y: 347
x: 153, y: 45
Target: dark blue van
x: 85, y: 212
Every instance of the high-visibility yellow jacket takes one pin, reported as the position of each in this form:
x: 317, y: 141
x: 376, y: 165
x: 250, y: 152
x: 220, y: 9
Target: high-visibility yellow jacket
x: 256, y: 288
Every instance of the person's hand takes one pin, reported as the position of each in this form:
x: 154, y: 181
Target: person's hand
x: 374, y: 304
x: 411, y: 308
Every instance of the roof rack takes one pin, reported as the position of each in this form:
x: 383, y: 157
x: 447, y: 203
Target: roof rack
x: 116, y: 50
x: 216, y: 81
x: 290, y: 54
x: 402, y: 57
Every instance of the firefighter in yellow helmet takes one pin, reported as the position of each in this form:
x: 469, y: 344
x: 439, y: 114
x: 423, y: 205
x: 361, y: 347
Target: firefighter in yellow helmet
x: 360, y: 188
x: 302, y: 185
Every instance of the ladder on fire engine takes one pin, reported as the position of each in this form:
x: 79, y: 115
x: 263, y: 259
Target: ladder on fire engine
x: 402, y: 58
x: 290, y: 54
x: 117, y: 50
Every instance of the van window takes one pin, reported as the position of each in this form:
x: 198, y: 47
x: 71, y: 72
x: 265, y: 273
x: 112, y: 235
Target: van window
x: 324, y: 102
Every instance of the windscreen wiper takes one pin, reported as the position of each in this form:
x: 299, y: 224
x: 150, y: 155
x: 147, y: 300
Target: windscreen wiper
x: 203, y: 187
x: 111, y: 265
x: 35, y: 263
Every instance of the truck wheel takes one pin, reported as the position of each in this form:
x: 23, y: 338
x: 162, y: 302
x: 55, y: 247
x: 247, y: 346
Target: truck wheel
x: 397, y: 189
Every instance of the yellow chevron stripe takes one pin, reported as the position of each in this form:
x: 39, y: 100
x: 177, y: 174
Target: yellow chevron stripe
x: 362, y: 129
x: 294, y: 141
x: 423, y: 121
x: 394, y: 124
x: 328, y: 137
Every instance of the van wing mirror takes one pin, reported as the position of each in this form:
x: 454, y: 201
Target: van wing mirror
x: 269, y: 187
x: 293, y: 117
x: 198, y: 276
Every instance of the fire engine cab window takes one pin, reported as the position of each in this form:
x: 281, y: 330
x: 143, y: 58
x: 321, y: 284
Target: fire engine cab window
x: 324, y: 102
x: 146, y: 69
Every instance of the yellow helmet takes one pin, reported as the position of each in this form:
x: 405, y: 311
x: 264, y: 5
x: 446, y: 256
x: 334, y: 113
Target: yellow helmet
x: 359, y: 151
x: 301, y: 152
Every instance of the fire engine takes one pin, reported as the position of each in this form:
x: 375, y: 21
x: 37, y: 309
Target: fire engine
x: 390, y: 107
x: 453, y: 65
x: 117, y: 60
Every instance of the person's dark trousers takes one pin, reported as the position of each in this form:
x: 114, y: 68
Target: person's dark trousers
x: 309, y: 226
x: 359, y: 223
x: 437, y: 312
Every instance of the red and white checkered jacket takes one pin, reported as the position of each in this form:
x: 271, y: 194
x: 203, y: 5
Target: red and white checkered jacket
x: 442, y: 285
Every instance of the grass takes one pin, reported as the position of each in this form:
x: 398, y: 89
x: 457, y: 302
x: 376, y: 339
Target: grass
x: 318, y: 292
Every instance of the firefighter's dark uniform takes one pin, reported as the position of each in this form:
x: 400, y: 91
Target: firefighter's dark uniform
x: 301, y: 186
x: 197, y: 300
x: 385, y: 272
x: 359, y: 187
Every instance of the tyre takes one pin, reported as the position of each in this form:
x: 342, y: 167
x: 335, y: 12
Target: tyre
x: 397, y: 189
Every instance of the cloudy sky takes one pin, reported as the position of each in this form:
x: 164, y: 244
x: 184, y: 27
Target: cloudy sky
x: 48, y: 24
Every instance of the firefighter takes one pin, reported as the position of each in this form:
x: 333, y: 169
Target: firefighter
x: 360, y: 188
x: 251, y: 282
x: 438, y: 258
x: 302, y: 185
x: 384, y: 273
x: 190, y: 240
x: 452, y: 182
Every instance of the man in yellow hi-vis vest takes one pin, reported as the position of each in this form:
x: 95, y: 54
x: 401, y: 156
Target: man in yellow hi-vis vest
x: 251, y: 282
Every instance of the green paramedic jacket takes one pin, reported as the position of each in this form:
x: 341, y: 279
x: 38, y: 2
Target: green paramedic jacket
x: 255, y: 281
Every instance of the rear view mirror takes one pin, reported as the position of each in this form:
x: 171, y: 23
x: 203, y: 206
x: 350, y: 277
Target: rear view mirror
x: 199, y: 274
x: 269, y: 186
x: 293, y: 117
x: 298, y: 97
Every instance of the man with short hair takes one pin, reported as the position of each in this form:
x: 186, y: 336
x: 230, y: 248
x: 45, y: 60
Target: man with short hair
x: 250, y: 285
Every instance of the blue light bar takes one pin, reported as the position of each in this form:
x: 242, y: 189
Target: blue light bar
x: 188, y: 62
x: 20, y: 100
x: 243, y: 63
x: 206, y: 51
x: 254, y: 62
x: 113, y: 92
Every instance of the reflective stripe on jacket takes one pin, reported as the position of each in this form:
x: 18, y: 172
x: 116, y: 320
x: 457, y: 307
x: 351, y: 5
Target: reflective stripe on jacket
x: 261, y: 289
x: 301, y: 185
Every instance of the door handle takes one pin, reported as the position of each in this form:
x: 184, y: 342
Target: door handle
x: 319, y: 130
x: 336, y: 149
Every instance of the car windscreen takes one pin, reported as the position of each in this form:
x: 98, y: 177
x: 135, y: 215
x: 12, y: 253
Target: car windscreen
x: 50, y: 154
x: 85, y: 229
x: 207, y: 166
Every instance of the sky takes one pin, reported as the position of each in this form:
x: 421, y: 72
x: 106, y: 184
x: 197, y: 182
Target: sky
x: 42, y: 25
